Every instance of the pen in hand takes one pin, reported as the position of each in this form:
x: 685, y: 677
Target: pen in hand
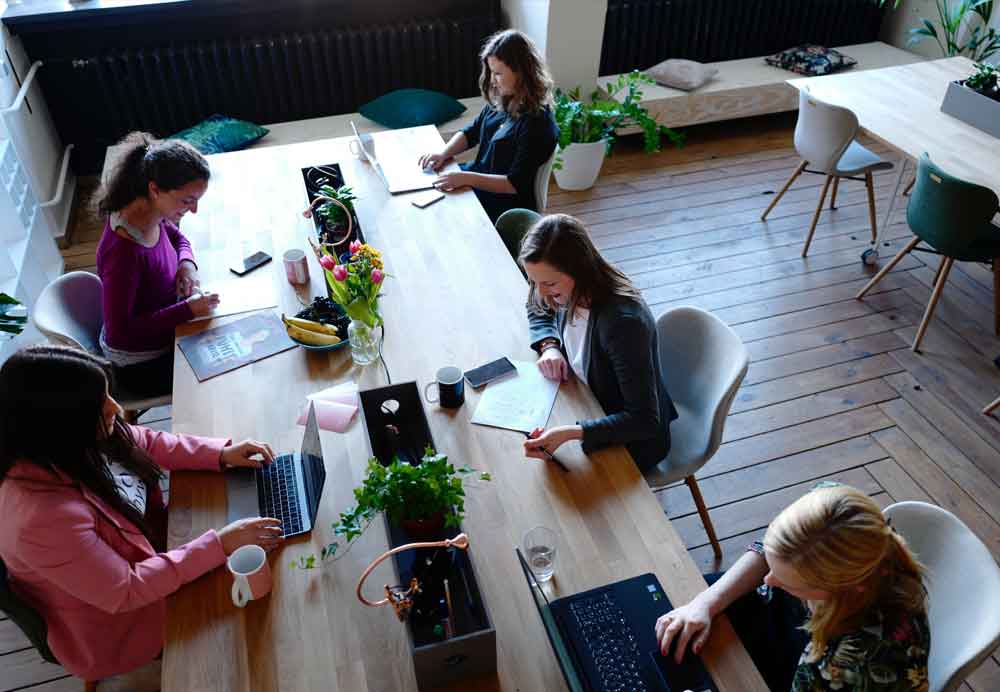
x: 550, y: 456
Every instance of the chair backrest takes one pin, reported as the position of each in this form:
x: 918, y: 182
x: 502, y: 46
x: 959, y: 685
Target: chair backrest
x: 542, y: 181
x: 512, y: 225
x: 823, y: 131
x: 963, y: 590
x: 24, y: 616
x: 946, y: 212
x: 69, y: 311
x: 703, y: 362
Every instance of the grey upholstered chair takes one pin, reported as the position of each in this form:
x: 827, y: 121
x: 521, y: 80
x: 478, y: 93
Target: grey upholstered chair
x: 512, y: 225
x: 542, y: 181
x: 703, y: 362
x: 963, y: 590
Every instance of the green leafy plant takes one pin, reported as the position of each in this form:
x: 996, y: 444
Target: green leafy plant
x: 619, y: 107
x: 13, y: 317
x: 985, y: 80
x: 332, y: 214
x: 955, y: 17
x: 403, y: 492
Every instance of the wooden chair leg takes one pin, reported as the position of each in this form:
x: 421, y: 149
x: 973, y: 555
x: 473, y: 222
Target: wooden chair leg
x: 699, y: 502
x: 833, y: 196
x: 870, y: 184
x: 888, y: 267
x: 992, y: 407
x: 935, y: 296
x: 819, y: 208
x: 795, y: 174
x: 909, y: 187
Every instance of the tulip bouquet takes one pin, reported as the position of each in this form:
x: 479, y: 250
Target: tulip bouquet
x: 355, y: 285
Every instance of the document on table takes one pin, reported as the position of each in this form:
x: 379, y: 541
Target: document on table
x: 246, y: 294
x: 520, y: 403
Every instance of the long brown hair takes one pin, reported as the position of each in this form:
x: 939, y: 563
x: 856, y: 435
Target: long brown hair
x: 516, y: 51
x: 560, y: 240
x: 170, y: 163
x: 51, y: 404
x: 837, y: 539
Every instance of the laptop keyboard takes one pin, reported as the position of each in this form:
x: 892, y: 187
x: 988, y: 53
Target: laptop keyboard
x: 611, y: 642
x: 277, y: 493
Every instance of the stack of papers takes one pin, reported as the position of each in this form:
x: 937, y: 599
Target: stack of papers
x: 335, y: 407
x: 523, y: 402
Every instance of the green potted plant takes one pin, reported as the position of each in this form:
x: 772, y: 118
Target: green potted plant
x: 976, y: 99
x: 422, y: 499
x: 587, y: 130
x: 962, y: 28
x: 337, y: 218
x: 13, y: 317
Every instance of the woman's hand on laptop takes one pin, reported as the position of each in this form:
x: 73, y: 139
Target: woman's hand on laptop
x: 691, y: 623
x: 452, y: 181
x: 433, y: 161
x: 248, y: 453
x: 262, y: 531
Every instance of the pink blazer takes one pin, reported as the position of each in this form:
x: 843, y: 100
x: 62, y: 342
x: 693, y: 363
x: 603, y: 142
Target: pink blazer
x: 90, y: 572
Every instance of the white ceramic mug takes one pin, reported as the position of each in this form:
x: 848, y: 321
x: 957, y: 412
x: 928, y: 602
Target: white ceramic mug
x: 251, y: 574
x: 296, y: 266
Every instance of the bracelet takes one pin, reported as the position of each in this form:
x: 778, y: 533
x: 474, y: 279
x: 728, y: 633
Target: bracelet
x: 546, y: 345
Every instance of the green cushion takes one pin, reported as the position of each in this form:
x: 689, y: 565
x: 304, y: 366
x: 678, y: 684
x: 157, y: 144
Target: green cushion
x: 412, y: 108
x: 218, y: 133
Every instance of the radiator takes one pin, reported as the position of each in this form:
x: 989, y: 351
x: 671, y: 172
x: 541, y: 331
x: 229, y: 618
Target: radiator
x: 641, y: 33
x: 265, y: 79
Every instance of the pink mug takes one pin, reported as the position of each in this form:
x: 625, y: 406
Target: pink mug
x: 296, y: 266
x: 251, y: 574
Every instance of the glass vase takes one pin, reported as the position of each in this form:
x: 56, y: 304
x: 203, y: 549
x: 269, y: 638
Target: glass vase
x: 364, y: 342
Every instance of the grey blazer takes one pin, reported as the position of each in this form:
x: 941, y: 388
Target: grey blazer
x: 622, y: 364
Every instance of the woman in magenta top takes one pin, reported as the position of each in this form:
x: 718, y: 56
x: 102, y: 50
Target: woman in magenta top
x: 84, y: 523
x: 145, y: 263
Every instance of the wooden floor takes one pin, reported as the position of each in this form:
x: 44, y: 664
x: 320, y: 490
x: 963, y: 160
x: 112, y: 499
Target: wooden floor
x: 833, y: 391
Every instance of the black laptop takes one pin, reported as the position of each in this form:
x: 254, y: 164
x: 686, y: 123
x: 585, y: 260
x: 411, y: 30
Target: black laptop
x: 289, y: 488
x: 604, y: 639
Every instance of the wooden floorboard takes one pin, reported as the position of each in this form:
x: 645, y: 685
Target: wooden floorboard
x: 833, y: 390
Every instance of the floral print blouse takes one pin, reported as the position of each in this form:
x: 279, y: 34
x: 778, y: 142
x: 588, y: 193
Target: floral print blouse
x: 885, y: 655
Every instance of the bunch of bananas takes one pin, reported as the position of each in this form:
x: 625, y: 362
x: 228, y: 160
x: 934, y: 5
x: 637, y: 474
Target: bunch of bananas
x: 309, y: 332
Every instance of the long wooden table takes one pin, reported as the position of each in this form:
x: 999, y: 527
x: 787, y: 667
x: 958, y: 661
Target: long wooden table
x: 453, y: 297
x: 901, y: 107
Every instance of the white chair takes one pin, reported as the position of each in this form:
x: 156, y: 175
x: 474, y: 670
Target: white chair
x: 69, y: 312
x: 824, y: 138
x: 542, y: 181
x: 703, y: 362
x: 963, y: 588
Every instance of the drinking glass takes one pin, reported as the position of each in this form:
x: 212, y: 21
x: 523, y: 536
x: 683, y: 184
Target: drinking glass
x: 540, y: 546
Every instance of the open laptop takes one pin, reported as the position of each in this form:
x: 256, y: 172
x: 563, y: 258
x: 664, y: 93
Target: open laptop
x: 289, y: 488
x: 399, y: 170
x: 605, y: 639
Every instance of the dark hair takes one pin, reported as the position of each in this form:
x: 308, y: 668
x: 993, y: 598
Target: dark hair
x: 170, y: 163
x: 516, y: 51
x: 562, y: 241
x: 51, y: 402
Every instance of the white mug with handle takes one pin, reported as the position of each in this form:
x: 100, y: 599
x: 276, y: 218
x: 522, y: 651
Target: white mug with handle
x: 251, y: 574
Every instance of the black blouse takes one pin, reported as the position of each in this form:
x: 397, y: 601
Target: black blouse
x: 512, y: 146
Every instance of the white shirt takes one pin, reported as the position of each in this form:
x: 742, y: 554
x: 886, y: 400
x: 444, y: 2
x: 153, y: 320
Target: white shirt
x: 574, y: 339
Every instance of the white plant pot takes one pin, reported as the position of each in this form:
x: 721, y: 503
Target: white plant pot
x: 581, y: 164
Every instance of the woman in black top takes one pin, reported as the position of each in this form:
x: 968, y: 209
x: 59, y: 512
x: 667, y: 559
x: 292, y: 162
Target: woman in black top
x: 516, y: 131
x: 586, y: 319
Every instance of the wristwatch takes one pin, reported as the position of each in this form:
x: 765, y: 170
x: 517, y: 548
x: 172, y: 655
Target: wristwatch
x: 546, y: 344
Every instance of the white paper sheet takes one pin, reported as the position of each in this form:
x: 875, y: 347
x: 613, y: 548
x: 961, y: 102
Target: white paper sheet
x: 520, y: 403
x: 246, y: 294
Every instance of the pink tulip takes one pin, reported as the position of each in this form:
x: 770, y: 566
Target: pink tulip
x: 340, y: 272
x: 377, y: 276
x: 327, y: 262
x: 355, y: 246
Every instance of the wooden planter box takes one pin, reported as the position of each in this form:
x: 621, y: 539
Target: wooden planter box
x: 971, y: 107
x: 470, y: 650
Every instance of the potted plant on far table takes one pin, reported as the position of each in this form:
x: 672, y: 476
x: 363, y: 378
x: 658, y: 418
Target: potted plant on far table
x: 587, y: 131
x: 13, y: 317
x: 976, y: 99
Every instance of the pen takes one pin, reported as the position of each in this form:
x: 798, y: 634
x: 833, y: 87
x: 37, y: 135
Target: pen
x: 550, y: 456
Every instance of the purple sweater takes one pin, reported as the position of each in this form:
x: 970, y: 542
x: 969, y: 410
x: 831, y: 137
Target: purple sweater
x: 140, y: 296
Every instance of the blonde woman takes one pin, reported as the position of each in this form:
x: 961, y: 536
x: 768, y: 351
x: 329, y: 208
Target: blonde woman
x: 516, y: 131
x: 842, y: 606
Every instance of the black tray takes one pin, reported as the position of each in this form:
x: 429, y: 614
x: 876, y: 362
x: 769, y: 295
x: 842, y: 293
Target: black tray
x: 313, y: 177
x: 396, y: 429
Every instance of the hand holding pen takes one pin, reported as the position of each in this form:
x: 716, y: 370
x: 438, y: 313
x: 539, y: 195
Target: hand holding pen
x: 541, y: 444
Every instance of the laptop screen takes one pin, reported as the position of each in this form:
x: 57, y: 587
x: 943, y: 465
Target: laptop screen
x: 559, y: 645
x: 313, y: 468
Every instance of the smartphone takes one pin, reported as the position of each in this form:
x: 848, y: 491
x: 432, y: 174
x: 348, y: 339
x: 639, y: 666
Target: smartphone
x: 427, y: 198
x: 484, y: 374
x: 257, y: 259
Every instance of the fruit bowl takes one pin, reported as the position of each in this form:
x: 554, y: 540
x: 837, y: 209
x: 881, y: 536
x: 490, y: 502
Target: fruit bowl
x: 326, y: 312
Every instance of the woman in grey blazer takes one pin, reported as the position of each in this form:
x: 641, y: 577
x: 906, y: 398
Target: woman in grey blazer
x: 587, y: 319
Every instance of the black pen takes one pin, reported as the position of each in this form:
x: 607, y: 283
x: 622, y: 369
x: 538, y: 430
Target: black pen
x: 550, y: 456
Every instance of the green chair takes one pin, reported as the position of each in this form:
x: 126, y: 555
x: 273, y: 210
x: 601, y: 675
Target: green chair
x: 953, y: 217
x: 512, y: 225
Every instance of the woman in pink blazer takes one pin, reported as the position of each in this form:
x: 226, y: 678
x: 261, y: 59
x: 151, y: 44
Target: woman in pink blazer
x: 82, y: 511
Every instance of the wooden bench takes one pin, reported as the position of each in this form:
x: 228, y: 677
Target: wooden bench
x: 748, y: 87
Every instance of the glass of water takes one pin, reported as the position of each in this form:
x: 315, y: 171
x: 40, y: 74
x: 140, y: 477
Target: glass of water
x: 540, y: 546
